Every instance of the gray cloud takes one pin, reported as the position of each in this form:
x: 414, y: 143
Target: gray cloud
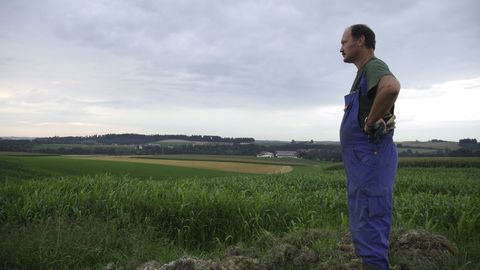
x: 252, y: 55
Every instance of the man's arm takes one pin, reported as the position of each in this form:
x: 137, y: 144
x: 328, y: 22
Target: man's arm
x: 387, y: 92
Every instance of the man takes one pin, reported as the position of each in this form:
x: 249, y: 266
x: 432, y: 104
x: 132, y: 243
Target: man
x: 369, y: 154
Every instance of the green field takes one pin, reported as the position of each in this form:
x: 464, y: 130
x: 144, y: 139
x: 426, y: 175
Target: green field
x: 64, y: 213
x: 247, y: 159
x: 426, y: 148
x: 432, y: 145
x: 42, y: 166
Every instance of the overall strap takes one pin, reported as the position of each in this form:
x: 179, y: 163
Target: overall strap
x: 363, y: 85
x: 365, y: 100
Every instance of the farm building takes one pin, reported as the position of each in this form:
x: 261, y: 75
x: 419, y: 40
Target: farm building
x: 286, y: 154
x: 266, y: 155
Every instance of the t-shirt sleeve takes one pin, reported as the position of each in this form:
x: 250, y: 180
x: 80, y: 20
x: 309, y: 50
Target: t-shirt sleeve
x: 374, y: 71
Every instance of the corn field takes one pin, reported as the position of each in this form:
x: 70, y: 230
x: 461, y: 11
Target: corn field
x: 84, y: 221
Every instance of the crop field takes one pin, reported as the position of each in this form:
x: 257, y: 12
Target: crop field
x: 230, y: 158
x: 241, y: 167
x: 43, y: 166
x: 432, y: 145
x: 429, y: 148
x: 59, y: 212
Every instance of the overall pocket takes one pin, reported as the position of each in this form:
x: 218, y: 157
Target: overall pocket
x: 366, y: 155
x: 377, y: 206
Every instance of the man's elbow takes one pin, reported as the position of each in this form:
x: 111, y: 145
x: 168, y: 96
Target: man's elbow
x: 393, y: 87
x: 389, y: 85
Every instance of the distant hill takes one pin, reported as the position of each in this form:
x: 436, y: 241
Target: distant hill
x: 138, y: 144
x: 173, y: 142
x: 17, y: 138
x: 130, y: 138
x: 434, y: 145
x: 430, y: 144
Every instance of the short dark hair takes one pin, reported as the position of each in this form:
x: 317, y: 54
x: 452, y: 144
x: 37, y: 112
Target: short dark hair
x: 359, y: 30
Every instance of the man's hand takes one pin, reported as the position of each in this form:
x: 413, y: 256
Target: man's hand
x: 387, y: 92
x: 375, y: 131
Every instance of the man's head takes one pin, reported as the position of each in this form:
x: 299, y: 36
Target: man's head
x: 356, y: 40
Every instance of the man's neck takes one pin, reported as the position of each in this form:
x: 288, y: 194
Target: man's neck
x: 364, y: 60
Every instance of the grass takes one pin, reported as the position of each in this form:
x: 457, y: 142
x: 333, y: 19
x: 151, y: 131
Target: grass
x: 445, y: 162
x: 40, y: 166
x: 432, y: 145
x: 240, y: 167
x: 21, y: 166
x: 89, y: 243
x: 74, y: 221
x: 226, y: 158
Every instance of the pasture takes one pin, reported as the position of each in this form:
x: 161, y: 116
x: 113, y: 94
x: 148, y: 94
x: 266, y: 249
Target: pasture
x: 42, y: 166
x: 229, y: 166
x: 76, y: 213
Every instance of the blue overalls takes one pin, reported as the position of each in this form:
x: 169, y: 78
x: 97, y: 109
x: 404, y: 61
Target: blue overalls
x: 370, y: 170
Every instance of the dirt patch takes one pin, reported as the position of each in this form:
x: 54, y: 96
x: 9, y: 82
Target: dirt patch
x: 210, y: 165
x: 307, y: 250
x: 416, y: 248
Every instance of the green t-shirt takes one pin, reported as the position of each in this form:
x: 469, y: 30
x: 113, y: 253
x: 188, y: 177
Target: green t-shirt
x: 374, y: 70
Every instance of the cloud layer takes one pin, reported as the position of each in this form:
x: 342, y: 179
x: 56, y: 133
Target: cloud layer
x: 267, y: 69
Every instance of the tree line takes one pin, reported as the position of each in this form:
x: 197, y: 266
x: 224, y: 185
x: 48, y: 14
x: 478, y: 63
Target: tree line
x: 102, y: 144
x: 131, y: 138
x: 327, y: 152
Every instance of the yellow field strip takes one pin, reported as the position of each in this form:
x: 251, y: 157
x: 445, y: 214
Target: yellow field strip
x: 210, y: 165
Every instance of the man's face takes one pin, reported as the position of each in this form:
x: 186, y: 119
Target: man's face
x: 350, y: 47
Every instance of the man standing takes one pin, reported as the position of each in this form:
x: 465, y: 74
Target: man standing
x: 369, y: 154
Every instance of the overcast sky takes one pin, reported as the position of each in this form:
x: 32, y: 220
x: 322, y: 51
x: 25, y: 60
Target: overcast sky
x: 262, y: 69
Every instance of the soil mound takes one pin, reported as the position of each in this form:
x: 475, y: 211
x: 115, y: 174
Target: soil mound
x: 316, y: 249
x: 420, y: 249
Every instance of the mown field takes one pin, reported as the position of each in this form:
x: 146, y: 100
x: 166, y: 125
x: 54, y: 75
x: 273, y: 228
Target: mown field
x: 44, y: 166
x: 61, y: 212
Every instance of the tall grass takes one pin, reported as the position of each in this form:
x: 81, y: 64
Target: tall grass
x: 193, y: 212
x: 53, y: 220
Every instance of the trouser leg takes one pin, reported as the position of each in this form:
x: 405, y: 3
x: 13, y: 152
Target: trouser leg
x: 370, y: 233
x: 370, y: 186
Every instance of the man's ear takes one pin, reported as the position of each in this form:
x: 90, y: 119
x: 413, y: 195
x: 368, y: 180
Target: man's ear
x: 361, y: 41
